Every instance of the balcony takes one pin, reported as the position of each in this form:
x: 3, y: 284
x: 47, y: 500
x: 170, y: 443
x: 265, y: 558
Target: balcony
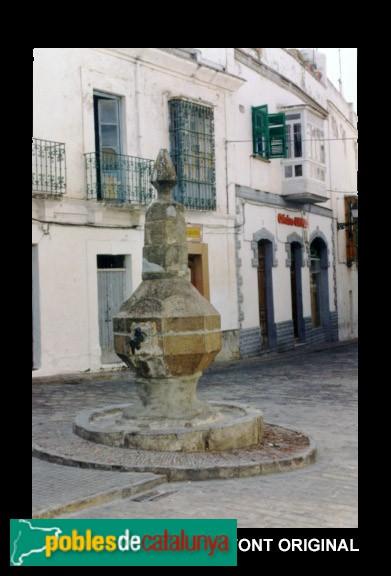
x: 118, y: 178
x: 48, y: 168
x: 304, y: 181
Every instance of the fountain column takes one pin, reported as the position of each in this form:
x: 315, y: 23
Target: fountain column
x: 181, y: 329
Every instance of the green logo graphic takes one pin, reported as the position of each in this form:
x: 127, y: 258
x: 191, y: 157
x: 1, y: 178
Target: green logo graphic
x: 123, y: 542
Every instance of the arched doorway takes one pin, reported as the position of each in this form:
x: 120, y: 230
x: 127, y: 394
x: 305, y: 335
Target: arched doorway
x: 319, y: 284
x: 296, y: 253
x: 265, y: 293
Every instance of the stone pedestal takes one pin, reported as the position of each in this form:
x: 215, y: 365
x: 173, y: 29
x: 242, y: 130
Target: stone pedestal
x: 173, y: 399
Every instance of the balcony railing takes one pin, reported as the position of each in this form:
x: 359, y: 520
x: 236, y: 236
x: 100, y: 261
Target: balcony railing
x: 49, y: 169
x: 119, y: 178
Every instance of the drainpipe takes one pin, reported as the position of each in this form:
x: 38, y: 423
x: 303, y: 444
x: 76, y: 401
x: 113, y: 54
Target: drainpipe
x: 227, y: 183
x: 138, y: 108
x: 334, y: 232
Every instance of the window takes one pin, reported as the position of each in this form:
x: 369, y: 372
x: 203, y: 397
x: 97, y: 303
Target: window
x: 107, y: 124
x: 304, y: 169
x: 269, y: 133
x: 343, y: 136
x: 316, y: 152
x: 351, y: 231
x: 298, y: 170
x: 293, y: 135
x: 106, y: 261
x: 193, y: 153
x: 288, y: 171
x: 108, y: 146
x: 334, y: 127
x: 316, y: 149
x: 293, y: 145
x: 316, y: 172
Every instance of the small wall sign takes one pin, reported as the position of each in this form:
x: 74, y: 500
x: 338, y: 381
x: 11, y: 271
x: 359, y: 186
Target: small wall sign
x: 194, y: 232
x: 296, y: 221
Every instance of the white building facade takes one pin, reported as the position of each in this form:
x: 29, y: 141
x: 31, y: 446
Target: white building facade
x: 262, y: 231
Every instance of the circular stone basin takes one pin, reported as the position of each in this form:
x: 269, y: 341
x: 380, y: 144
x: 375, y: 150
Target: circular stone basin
x: 229, y: 427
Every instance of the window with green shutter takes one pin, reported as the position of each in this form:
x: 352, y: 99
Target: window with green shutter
x: 260, y: 131
x: 269, y: 133
x: 193, y: 153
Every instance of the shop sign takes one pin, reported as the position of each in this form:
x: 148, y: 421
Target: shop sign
x: 296, y: 221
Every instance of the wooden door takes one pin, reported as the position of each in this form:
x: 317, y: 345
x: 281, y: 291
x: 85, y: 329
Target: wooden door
x: 294, y: 292
x: 262, y: 294
x: 111, y: 295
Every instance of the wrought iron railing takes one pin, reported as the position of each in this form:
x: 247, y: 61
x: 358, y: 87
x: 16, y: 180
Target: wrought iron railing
x: 49, y: 169
x: 118, y: 178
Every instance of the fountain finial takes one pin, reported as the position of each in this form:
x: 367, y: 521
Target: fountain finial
x: 164, y: 176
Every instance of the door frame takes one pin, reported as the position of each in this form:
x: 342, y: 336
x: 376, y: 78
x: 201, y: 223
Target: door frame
x: 269, y: 263
x: 108, y: 355
x: 324, y: 296
x: 36, y: 319
x: 198, y: 248
x: 296, y: 262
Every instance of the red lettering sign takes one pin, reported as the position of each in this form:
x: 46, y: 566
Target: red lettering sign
x: 285, y: 219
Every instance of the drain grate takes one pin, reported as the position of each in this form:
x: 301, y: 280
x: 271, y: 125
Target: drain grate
x: 146, y: 496
x: 164, y: 495
x: 153, y: 495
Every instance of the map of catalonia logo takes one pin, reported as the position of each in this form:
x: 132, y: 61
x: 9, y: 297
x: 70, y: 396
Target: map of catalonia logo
x: 123, y: 542
x: 27, y: 540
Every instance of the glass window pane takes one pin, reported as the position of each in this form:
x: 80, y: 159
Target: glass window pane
x: 288, y: 171
x: 109, y: 135
x: 318, y: 144
x: 108, y: 111
x: 288, y: 141
x: 309, y: 142
x: 298, y: 170
x: 297, y: 140
x: 261, y: 146
x: 320, y: 174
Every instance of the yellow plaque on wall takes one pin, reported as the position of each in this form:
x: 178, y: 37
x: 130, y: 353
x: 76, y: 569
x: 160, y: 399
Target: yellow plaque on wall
x: 194, y: 233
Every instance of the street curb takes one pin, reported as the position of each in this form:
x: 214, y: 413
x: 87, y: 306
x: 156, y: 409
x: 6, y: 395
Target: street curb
x: 98, y: 498
x: 251, y: 465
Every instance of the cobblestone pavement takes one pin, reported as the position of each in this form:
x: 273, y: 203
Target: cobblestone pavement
x: 314, y: 392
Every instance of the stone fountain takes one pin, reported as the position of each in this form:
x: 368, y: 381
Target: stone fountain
x: 168, y: 333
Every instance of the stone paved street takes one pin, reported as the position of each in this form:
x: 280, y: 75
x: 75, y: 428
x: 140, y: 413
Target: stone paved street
x: 314, y: 391
x: 84, y: 486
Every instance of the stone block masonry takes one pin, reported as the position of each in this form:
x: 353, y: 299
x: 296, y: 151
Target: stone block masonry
x: 250, y: 342
x: 321, y: 333
x: 334, y: 326
x: 285, y: 336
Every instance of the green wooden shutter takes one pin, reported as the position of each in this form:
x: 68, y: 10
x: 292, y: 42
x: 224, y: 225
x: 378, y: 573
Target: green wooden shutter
x: 277, y: 136
x: 261, y: 143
